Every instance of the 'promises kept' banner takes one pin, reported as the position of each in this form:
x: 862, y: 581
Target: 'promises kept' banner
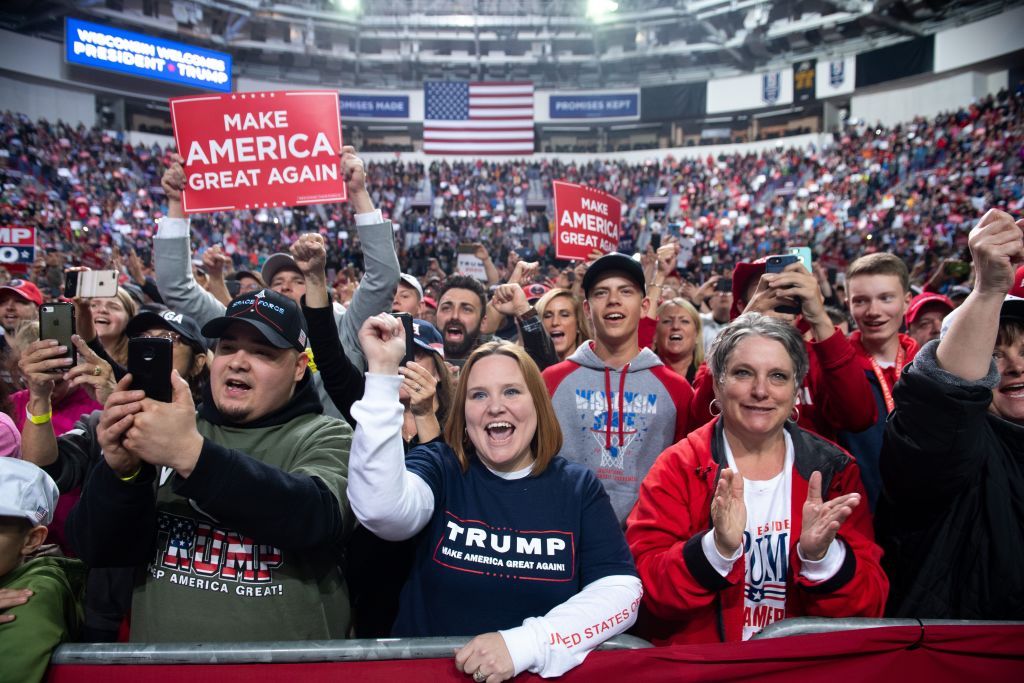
x: 585, y: 219
x: 261, y: 149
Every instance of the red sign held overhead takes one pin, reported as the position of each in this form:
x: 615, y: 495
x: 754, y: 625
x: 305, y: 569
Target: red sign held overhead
x: 256, y: 150
x: 585, y: 219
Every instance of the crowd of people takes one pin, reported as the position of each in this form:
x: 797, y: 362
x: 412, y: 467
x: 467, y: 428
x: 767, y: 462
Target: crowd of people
x: 688, y: 439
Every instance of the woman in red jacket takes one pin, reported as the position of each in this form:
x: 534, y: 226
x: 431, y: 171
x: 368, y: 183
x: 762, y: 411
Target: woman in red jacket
x: 751, y: 519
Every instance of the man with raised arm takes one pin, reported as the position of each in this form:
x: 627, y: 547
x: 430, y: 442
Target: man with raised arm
x: 172, y: 259
x: 952, y: 459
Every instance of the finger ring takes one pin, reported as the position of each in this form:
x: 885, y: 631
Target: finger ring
x: 479, y: 676
x: 96, y: 371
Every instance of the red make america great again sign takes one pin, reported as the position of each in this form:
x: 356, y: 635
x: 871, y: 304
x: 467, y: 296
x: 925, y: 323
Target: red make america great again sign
x: 260, y: 149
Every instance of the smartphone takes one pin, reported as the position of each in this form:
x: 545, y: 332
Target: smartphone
x: 150, y: 361
x: 655, y: 241
x: 777, y: 264
x: 410, y: 342
x: 90, y: 284
x: 723, y: 284
x: 806, y: 258
x: 674, y: 230
x: 57, y: 321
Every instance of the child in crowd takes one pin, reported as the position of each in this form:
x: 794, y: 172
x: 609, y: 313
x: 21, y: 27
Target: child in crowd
x: 40, y: 598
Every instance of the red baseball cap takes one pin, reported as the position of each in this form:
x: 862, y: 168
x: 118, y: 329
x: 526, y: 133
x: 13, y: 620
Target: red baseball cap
x: 535, y: 291
x: 742, y: 275
x: 1018, y: 283
x: 922, y: 300
x: 26, y: 290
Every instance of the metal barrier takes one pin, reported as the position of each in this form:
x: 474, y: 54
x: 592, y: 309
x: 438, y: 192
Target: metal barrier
x: 281, y: 652
x: 801, y: 626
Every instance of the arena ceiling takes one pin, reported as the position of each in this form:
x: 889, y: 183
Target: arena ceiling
x: 554, y: 43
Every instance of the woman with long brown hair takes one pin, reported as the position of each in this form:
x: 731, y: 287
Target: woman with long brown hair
x: 523, y: 538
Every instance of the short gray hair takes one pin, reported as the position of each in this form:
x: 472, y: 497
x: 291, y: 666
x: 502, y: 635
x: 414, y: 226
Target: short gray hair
x: 757, y: 325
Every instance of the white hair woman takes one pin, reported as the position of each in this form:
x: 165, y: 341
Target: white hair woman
x: 751, y: 519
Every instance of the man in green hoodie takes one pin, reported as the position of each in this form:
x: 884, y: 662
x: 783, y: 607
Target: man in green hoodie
x: 234, y: 510
x: 40, y: 598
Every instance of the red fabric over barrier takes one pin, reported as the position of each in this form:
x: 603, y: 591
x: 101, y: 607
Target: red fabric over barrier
x: 939, y: 653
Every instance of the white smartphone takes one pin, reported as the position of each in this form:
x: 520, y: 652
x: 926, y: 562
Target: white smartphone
x: 90, y: 284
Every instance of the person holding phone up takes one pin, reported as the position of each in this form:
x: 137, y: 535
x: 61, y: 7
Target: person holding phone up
x: 835, y: 395
x: 241, y: 502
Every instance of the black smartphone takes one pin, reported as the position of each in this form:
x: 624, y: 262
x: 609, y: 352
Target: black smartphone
x: 656, y: 241
x: 723, y: 284
x: 57, y: 321
x: 410, y: 342
x: 777, y: 264
x: 150, y: 361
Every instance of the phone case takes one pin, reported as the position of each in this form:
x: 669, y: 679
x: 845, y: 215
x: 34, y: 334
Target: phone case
x: 57, y: 321
x: 150, y: 361
x: 410, y: 344
x: 90, y: 284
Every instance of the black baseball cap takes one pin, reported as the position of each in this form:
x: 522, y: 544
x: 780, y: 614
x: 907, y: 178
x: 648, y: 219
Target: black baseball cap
x: 609, y: 263
x: 275, y: 316
x: 184, y: 325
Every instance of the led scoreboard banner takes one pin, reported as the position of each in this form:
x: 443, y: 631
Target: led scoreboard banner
x: 113, y: 49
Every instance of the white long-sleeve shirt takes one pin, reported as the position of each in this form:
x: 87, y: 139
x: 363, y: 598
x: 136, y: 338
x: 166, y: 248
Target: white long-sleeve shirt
x: 396, y: 504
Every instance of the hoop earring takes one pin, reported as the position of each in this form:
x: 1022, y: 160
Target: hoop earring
x: 794, y: 420
x: 711, y: 407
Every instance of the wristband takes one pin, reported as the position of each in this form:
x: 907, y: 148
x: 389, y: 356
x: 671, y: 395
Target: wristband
x: 132, y: 476
x: 38, y: 419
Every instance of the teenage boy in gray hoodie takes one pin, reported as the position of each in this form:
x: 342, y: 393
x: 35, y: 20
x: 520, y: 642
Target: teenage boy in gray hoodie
x: 618, y: 405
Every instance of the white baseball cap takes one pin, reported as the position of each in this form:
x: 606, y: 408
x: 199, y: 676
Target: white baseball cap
x: 26, y: 491
x: 1013, y: 307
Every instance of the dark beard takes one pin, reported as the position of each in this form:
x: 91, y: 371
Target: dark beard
x: 463, y: 349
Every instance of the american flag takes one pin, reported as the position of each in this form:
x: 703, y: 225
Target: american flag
x: 478, y: 118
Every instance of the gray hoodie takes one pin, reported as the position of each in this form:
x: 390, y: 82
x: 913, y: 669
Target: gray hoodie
x: 617, y: 421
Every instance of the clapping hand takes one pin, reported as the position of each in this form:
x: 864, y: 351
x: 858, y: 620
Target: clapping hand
x: 729, y: 513
x: 821, y: 520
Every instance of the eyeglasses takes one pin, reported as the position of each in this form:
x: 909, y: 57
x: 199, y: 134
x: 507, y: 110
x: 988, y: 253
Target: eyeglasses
x: 174, y: 337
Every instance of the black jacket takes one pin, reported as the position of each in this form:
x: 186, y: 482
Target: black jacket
x: 951, y: 515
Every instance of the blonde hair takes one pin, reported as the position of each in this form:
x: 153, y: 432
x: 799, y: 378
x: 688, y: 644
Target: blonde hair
x: 582, y: 323
x: 698, y: 345
x: 546, y: 441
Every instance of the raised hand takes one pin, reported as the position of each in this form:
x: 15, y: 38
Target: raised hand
x: 997, y: 249
x: 421, y: 387
x: 729, y: 513
x: 382, y: 338
x: 215, y: 261
x: 42, y: 363
x: 310, y: 254
x: 524, y: 272
x: 117, y: 417
x: 821, y: 520
x: 165, y: 434
x: 92, y: 372
x: 510, y: 299
x: 355, y: 180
